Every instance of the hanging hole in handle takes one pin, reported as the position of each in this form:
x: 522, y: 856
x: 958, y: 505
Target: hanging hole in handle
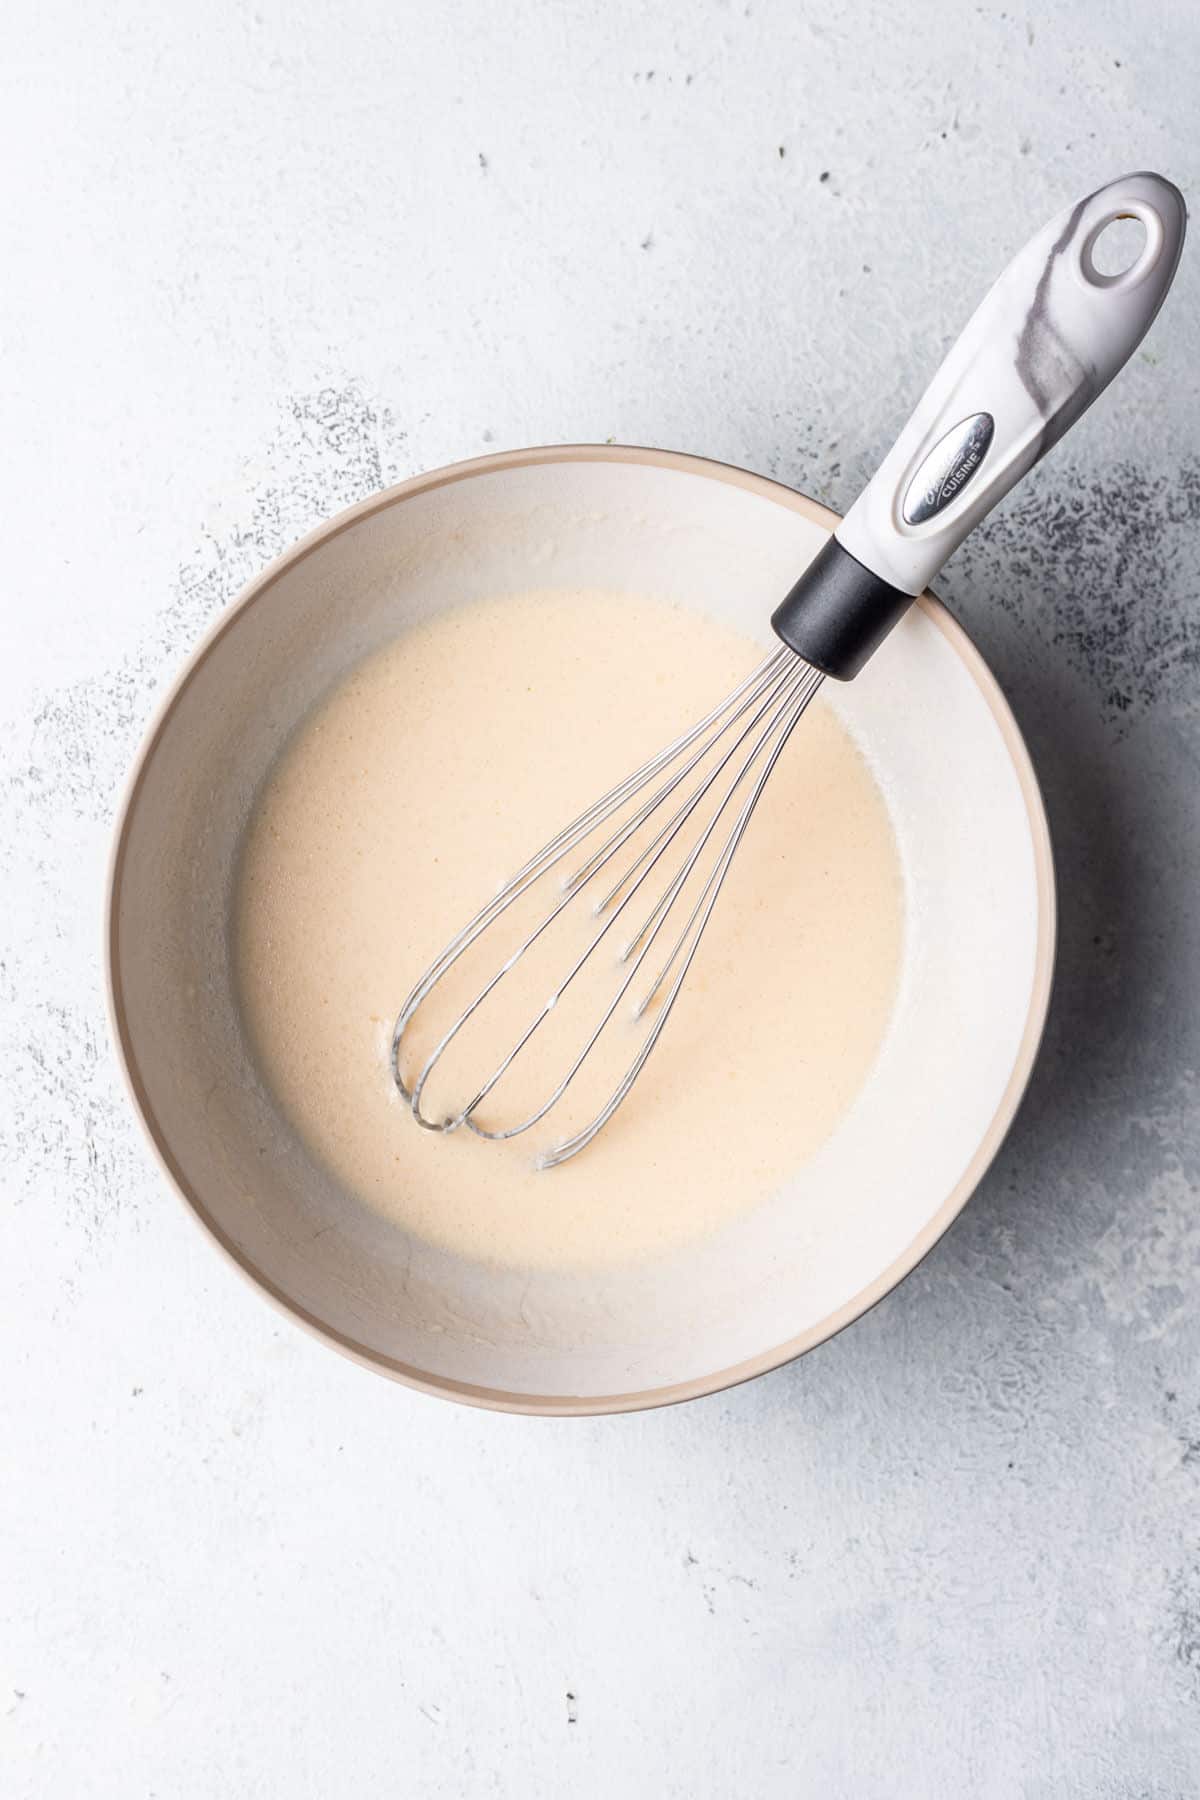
x: 1119, y: 245
x: 1122, y: 247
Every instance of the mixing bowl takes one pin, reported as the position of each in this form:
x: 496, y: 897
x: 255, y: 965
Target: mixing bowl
x: 854, y: 1220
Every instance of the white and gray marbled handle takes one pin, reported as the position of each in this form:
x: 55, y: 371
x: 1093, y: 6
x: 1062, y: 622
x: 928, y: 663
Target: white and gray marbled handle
x: 1046, y: 340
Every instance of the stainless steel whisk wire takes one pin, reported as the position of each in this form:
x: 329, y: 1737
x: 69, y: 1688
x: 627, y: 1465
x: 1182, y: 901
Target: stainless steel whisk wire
x: 774, y: 696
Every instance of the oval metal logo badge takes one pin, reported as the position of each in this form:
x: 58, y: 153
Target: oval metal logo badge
x: 945, y: 472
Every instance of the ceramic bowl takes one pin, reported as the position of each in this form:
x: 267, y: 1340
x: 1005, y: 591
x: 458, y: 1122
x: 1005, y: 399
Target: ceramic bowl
x: 973, y: 995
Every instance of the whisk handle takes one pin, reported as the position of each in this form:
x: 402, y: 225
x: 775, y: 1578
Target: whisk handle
x: 1046, y: 340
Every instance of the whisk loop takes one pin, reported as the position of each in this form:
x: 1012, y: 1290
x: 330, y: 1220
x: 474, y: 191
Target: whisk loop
x: 739, y: 740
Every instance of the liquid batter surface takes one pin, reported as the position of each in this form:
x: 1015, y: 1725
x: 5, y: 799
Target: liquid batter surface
x: 424, y: 780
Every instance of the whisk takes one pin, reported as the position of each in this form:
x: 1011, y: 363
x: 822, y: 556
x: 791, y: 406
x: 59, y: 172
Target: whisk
x: 1045, y: 341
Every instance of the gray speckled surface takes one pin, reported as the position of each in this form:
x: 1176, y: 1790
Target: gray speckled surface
x: 259, y: 264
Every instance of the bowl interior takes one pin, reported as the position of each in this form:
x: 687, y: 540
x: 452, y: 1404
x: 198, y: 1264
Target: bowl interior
x: 974, y: 987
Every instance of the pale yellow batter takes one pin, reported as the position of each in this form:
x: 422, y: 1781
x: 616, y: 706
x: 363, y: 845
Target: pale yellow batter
x: 424, y: 780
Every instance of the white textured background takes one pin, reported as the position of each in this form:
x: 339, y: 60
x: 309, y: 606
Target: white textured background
x: 259, y: 261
